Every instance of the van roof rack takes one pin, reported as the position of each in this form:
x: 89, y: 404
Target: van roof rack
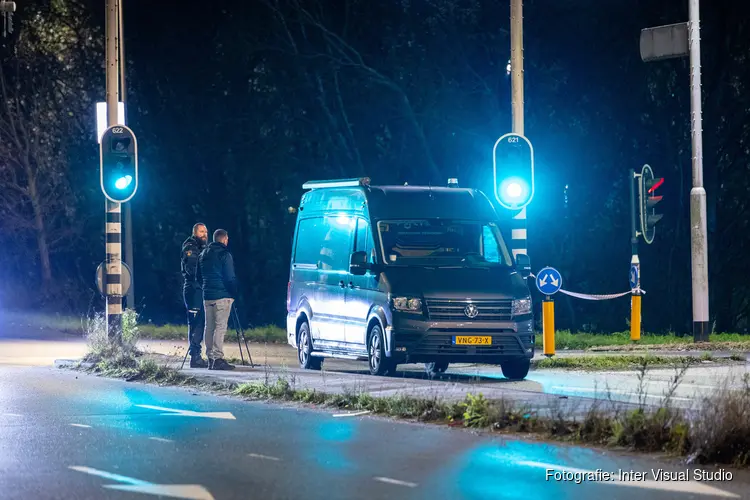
x: 363, y: 182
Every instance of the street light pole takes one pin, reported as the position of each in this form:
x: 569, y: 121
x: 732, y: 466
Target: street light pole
x: 113, y: 277
x: 518, y: 227
x: 698, y: 225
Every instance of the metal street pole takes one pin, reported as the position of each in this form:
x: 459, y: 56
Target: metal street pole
x: 635, y: 263
x: 113, y: 277
x: 518, y: 227
x: 699, y: 232
x: 128, y: 250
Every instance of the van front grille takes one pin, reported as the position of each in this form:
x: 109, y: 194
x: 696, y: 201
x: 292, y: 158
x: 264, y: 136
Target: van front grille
x: 456, y: 310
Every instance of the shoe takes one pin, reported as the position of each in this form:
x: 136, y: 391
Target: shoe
x: 198, y: 362
x: 220, y: 364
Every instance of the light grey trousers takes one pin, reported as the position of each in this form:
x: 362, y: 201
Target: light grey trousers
x: 217, y: 317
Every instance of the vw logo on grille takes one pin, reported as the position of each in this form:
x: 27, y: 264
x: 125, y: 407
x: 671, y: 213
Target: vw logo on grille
x: 471, y: 311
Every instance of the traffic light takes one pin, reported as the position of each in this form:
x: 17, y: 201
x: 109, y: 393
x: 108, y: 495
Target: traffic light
x: 513, y: 160
x: 118, y: 171
x: 648, y: 198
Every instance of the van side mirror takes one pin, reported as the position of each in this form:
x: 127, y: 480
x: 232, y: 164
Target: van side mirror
x: 358, y: 265
x: 523, y: 265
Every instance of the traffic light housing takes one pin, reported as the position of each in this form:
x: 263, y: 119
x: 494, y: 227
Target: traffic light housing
x: 648, y: 201
x: 118, y: 170
x: 513, y: 162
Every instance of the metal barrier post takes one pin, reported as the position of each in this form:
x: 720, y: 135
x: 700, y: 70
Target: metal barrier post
x: 548, y: 326
x: 635, y: 317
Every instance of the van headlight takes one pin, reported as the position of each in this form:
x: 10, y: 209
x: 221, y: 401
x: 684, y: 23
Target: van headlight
x: 521, y: 307
x: 407, y: 304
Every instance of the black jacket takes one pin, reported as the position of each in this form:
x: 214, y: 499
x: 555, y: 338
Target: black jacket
x: 216, y: 272
x: 192, y: 290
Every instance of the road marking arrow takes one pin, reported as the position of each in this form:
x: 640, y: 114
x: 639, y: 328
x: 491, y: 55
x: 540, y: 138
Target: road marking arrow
x: 224, y: 415
x: 108, y: 475
x: 184, y: 491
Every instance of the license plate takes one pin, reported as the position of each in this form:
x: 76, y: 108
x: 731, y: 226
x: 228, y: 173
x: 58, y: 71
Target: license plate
x: 472, y: 340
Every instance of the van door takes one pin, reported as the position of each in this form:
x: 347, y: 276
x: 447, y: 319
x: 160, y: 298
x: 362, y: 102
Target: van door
x: 362, y: 290
x: 333, y: 277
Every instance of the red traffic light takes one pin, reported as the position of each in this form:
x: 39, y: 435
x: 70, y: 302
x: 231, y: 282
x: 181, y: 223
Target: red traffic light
x: 657, y: 183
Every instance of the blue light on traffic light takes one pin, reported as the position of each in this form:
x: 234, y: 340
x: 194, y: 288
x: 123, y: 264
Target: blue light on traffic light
x: 118, y: 164
x: 514, y: 191
x: 123, y: 182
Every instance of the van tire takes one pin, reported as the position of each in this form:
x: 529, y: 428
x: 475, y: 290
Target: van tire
x: 379, y: 364
x: 516, y: 368
x: 305, y: 349
x: 435, y: 368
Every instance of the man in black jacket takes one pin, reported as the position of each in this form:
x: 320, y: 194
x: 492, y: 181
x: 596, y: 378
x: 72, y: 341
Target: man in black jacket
x: 216, y: 271
x: 192, y: 292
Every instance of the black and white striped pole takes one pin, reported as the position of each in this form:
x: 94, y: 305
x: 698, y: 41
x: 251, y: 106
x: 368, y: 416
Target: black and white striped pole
x: 118, y: 174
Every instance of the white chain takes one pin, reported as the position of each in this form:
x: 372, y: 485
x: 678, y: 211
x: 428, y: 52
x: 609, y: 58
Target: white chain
x: 586, y: 296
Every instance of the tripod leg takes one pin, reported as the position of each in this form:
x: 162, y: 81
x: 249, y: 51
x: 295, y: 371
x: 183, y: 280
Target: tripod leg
x: 241, y: 333
x: 237, y: 328
x: 252, y: 365
x: 184, y: 359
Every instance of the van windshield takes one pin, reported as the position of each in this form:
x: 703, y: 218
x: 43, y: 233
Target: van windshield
x: 442, y: 242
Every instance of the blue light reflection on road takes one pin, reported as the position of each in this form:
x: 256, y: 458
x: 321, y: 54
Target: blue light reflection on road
x: 494, y: 471
x: 337, y: 436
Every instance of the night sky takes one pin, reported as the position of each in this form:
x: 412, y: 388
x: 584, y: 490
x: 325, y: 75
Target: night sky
x: 217, y: 149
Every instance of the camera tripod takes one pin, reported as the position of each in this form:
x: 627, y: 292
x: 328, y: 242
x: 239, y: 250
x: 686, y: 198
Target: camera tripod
x: 240, y: 340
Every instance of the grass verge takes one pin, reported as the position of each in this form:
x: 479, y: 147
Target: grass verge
x: 268, y: 333
x: 271, y: 334
x: 628, y: 361
x: 564, y: 339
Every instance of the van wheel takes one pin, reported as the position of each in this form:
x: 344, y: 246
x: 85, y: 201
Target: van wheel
x: 435, y: 368
x: 516, y: 368
x: 379, y: 363
x: 304, y: 349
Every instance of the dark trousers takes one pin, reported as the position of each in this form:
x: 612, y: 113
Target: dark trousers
x: 196, y: 325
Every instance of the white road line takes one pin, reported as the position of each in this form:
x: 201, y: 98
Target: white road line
x: 396, y: 482
x: 355, y: 414
x: 675, y: 486
x: 81, y: 425
x: 108, y: 475
x: 12, y: 415
x: 613, y: 391
x: 263, y: 457
x: 161, y: 440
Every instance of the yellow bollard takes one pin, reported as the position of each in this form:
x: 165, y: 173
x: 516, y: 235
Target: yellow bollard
x: 548, y: 327
x: 635, y: 317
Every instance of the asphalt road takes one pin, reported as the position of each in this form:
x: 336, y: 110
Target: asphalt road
x: 67, y: 435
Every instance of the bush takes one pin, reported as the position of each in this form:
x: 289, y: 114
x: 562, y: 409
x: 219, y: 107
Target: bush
x: 721, y: 430
x: 102, y: 347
